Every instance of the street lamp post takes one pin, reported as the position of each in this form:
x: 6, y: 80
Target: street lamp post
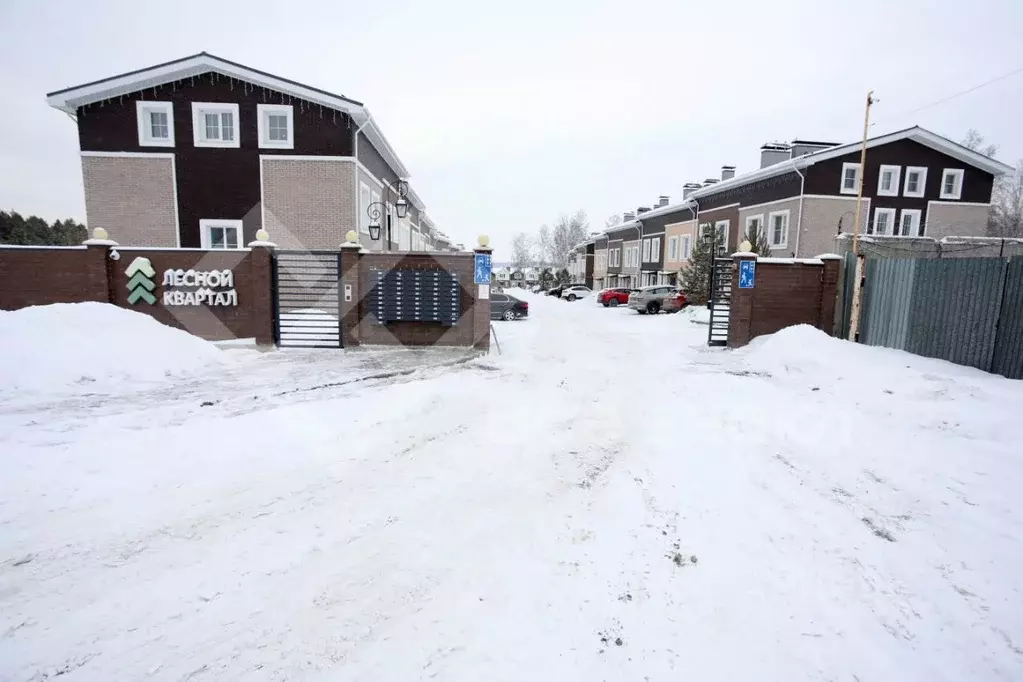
x: 378, y: 210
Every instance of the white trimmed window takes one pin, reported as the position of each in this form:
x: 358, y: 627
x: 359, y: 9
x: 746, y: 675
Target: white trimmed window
x: 214, y: 124
x: 909, y: 223
x: 276, y: 126
x: 646, y: 250
x: 672, y: 248
x: 951, y: 183
x: 754, y: 223
x: 721, y: 227
x: 364, y: 202
x: 884, y: 222
x: 850, y: 178
x: 888, y: 181
x: 655, y: 249
x: 778, y: 234
x: 687, y: 247
x: 155, y: 123
x: 220, y: 234
x: 916, y: 181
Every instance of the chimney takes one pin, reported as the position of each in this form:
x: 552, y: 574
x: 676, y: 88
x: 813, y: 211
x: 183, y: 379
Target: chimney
x: 804, y: 147
x: 642, y: 209
x: 628, y: 216
x: 663, y: 200
x: 689, y: 188
x: 727, y: 172
x: 774, y: 152
x: 709, y: 181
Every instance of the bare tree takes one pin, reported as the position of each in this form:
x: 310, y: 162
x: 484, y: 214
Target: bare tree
x: 544, y: 246
x: 975, y: 141
x: 613, y: 220
x: 1006, y: 217
x: 522, y: 251
x: 568, y: 232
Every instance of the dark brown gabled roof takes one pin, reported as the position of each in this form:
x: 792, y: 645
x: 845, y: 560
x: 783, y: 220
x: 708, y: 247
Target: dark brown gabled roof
x: 193, y: 57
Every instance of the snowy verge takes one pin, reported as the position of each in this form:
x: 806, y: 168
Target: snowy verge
x: 805, y: 350
x: 88, y: 347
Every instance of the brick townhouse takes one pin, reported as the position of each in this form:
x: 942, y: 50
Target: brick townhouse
x: 916, y: 183
x: 203, y: 152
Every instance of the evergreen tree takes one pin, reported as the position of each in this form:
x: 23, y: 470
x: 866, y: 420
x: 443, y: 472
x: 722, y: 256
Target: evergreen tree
x: 757, y: 237
x: 563, y: 277
x: 696, y: 273
x: 34, y: 231
x: 546, y: 278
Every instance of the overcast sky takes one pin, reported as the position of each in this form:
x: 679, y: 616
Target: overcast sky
x: 508, y: 117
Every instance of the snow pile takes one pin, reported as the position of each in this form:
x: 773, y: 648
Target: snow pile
x: 807, y: 351
x: 698, y: 314
x: 86, y: 347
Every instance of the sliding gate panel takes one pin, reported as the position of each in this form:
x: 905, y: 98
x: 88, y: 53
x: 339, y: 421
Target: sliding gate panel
x: 306, y: 299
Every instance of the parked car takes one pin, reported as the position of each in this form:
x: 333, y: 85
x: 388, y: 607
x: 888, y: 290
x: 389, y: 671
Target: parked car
x: 651, y: 299
x: 576, y: 291
x: 673, y: 304
x: 554, y: 291
x: 614, y: 297
x: 505, y: 307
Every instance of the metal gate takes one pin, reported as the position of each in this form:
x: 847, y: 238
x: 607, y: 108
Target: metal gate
x: 720, y: 301
x: 305, y: 297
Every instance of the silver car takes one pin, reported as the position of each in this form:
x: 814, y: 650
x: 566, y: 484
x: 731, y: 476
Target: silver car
x: 651, y: 299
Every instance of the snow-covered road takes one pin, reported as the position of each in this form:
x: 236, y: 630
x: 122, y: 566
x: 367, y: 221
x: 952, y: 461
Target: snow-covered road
x: 608, y: 499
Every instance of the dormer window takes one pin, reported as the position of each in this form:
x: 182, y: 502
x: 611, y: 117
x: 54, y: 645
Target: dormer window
x: 155, y: 124
x: 214, y: 124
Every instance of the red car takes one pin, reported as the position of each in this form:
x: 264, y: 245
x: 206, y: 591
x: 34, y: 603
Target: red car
x: 675, y: 302
x: 613, y: 297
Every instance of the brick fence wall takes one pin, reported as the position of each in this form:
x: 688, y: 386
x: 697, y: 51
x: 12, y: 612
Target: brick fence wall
x: 786, y: 292
x: 43, y: 275
x: 31, y: 275
x: 359, y: 326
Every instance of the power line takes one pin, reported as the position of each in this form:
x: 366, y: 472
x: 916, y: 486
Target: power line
x: 953, y: 96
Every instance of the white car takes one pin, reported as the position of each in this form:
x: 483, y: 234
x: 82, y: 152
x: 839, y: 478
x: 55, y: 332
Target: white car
x: 573, y: 292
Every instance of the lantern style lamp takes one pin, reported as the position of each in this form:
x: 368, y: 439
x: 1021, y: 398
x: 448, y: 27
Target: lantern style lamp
x: 375, y: 211
x: 401, y: 206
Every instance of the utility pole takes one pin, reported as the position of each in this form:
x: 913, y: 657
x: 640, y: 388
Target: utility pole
x: 854, y: 319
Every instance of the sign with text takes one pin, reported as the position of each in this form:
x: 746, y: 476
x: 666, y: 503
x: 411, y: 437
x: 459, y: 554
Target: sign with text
x: 180, y: 287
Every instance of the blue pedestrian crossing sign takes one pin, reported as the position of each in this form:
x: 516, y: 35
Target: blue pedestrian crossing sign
x: 482, y: 269
x: 747, y: 273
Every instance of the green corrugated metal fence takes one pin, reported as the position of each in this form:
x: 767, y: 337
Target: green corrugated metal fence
x: 966, y: 310
x: 1008, y: 356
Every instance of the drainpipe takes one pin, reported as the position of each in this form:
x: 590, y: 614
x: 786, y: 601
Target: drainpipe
x: 355, y: 167
x: 799, y: 220
x: 639, y: 237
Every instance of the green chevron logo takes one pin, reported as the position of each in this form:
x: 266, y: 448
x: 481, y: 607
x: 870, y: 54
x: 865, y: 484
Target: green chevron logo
x: 140, y: 281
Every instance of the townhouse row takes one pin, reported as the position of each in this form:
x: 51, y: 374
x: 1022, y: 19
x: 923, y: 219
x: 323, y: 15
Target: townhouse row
x: 915, y: 184
x: 202, y: 152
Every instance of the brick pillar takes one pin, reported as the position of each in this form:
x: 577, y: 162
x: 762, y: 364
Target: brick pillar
x: 481, y: 310
x: 349, y: 295
x: 261, y: 307
x: 829, y: 292
x: 740, y: 315
x: 100, y: 266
